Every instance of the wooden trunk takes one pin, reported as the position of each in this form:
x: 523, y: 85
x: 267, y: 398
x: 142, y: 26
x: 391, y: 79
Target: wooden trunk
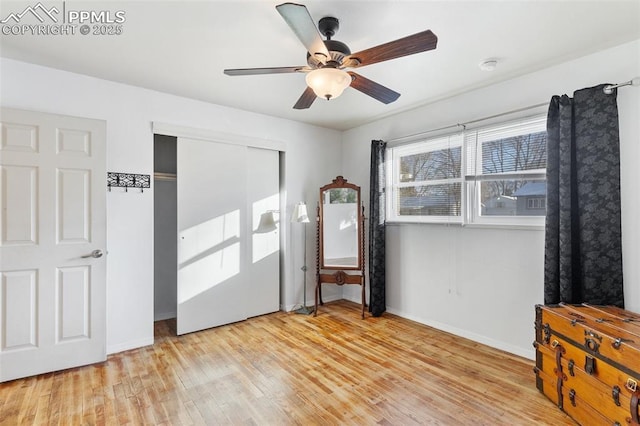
x: 588, y: 362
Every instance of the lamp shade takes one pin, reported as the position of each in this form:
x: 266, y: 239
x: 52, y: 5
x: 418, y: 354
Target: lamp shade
x: 300, y: 213
x: 267, y: 223
x: 328, y: 83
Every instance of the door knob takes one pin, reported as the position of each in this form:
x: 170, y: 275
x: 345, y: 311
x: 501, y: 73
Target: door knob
x: 95, y: 254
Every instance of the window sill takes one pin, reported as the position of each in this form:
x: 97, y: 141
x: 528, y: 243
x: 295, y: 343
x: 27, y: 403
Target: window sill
x: 505, y: 226
x: 401, y: 222
x: 471, y: 225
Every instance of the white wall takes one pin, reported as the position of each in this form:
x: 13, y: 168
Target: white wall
x: 483, y: 283
x: 312, y: 159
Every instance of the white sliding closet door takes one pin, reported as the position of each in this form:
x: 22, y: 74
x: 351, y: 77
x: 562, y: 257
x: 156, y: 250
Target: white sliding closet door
x: 219, y: 195
x: 264, y: 260
x: 212, y: 243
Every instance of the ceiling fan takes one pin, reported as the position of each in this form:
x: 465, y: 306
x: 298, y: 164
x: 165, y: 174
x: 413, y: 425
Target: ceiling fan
x: 327, y: 59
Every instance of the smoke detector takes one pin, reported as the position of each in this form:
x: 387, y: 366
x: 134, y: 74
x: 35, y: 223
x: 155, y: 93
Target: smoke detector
x: 488, y: 64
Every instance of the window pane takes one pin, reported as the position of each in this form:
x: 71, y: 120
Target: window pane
x: 430, y: 200
x: 517, y: 197
x: 432, y: 165
x: 516, y: 153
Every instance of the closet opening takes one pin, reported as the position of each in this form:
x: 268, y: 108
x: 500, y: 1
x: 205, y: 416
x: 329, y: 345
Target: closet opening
x: 213, y: 264
x: 165, y: 231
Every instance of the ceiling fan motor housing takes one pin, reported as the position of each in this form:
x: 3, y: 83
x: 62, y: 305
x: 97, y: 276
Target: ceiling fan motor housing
x: 338, y: 51
x: 328, y: 26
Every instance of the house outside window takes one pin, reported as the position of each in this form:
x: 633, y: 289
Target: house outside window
x: 532, y: 199
x: 494, y: 175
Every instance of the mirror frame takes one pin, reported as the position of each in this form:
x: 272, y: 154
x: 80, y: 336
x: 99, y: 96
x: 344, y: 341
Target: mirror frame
x: 340, y: 183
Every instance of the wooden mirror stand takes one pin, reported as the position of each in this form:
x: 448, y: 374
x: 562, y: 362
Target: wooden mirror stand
x: 340, y: 238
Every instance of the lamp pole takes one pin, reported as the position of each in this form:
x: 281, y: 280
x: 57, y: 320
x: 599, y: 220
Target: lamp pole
x: 300, y: 216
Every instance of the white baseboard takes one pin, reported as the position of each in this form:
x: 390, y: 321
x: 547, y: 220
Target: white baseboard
x: 516, y: 350
x: 133, y: 344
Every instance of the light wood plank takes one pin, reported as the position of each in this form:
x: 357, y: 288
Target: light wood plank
x: 285, y: 368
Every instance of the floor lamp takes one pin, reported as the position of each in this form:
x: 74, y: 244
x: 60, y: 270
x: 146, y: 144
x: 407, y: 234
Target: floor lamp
x: 300, y: 216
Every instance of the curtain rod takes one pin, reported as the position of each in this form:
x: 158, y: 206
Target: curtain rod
x: 452, y: 126
x: 608, y: 89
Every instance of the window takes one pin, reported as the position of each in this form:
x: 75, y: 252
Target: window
x: 535, y: 203
x: 427, y: 181
x: 489, y: 175
x: 506, y: 173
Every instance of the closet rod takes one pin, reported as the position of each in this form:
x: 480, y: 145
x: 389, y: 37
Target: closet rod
x: 164, y: 176
x: 452, y: 126
x: 608, y: 89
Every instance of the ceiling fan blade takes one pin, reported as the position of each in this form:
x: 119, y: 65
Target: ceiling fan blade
x: 307, y: 98
x: 416, y: 43
x: 373, y: 89
x: 300, y: 21
x: 256, y: 71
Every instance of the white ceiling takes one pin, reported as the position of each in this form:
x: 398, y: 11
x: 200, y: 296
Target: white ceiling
x: 183, y: 47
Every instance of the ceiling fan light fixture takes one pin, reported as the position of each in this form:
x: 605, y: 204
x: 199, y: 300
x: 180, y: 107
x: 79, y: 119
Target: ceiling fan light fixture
x: 328, y: 83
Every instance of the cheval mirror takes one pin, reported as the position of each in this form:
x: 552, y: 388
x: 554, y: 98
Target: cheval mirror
x: 340, y: 238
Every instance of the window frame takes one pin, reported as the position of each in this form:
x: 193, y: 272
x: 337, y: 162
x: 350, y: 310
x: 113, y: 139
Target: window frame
x: 393, y: 179
x: 470, y: 202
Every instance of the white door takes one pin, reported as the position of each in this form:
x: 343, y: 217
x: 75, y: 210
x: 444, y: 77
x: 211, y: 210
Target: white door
x: 226, y: 272
x: 212, y: 243
x: 52, y: 217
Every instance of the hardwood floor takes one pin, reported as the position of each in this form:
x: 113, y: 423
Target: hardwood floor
x: 285, y: 368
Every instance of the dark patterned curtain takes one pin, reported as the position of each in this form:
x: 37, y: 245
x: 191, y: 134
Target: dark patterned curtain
x: 583, y: 249
x: 377, y: 300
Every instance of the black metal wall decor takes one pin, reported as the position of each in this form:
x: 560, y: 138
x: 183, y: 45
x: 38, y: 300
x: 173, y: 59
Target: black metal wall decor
x: 128, y: 180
